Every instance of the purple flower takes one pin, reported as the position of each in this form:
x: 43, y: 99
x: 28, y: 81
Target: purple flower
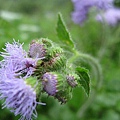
x: 15, y: 69
x: 14, y: 51
x: 82, y: 7
x: 111, y: 16
x: 79, y: 16
x: 17, y: 60
x: 19, y: 97
x: 104, y: 4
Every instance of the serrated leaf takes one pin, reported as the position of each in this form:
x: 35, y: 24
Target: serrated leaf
x: 62, y: 32
x: 84, y: 78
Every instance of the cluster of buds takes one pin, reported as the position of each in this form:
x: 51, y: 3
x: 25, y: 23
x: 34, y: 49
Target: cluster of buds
x: 25, y: 76
x: 51, y: 71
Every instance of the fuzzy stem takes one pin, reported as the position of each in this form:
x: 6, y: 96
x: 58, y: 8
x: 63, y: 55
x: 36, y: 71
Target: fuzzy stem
x: 98, y: 75
x: 95, y: 66
x: 92, y: 62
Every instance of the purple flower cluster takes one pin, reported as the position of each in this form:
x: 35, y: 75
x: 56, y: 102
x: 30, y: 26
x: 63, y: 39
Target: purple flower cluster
x: 24, y: 76
x: 16, y: 59
x: 19, y: 96
x: 82, y: 8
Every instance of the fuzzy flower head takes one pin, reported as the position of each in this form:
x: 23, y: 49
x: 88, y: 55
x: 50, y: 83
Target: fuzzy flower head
x: 14, y: 50
x: 19, y: 97
x: 19, y: 94
x: 15, y: 57
x: 15, y: 86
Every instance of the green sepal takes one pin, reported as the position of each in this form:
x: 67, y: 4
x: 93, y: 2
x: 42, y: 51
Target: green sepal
x: 33, y: 82
x: 39, y: 70
x: 60, y: 81
x: 56, y: 63
x: 55, y: 59
x: 64, y: 95
x: 46, y: 42
x: 54, y: 51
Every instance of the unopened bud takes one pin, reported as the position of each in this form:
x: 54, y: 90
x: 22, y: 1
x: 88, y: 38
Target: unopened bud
x: 64, y: 94
x: 56, y: 63
x: 51, y: 83
x: 37, y: 50
x: 72, y: 80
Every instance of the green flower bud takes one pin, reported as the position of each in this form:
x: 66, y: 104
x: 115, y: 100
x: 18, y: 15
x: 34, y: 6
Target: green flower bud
x: 64, y: 94
x: 48, y: 43
x: 55, y: 63
x: 56, y: 57
x: 55, y: 51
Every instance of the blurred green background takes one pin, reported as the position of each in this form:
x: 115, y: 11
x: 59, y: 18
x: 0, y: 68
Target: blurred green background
x: 25, y: 20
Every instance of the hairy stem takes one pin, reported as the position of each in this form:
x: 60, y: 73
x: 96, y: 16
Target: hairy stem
x: 96, y: 68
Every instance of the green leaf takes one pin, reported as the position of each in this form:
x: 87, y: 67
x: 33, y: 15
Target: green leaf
x: 63, y: 33
x: 84, y: 79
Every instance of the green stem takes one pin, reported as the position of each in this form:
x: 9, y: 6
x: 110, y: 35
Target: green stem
x: 97, y: 70
x: 95, y: 67
x: 98, y: 76
x: 74, y: 57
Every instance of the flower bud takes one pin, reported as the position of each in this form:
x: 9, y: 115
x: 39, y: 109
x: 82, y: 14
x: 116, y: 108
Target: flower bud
x: 56, y: 57
x: 55, y: 51
x: 52, y: 83
x: 64, y: 94
x: 72, y: 79
x: 55, y: 63
x: 37, y: 50
x: 46, y: 42
x: 55, y: 85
